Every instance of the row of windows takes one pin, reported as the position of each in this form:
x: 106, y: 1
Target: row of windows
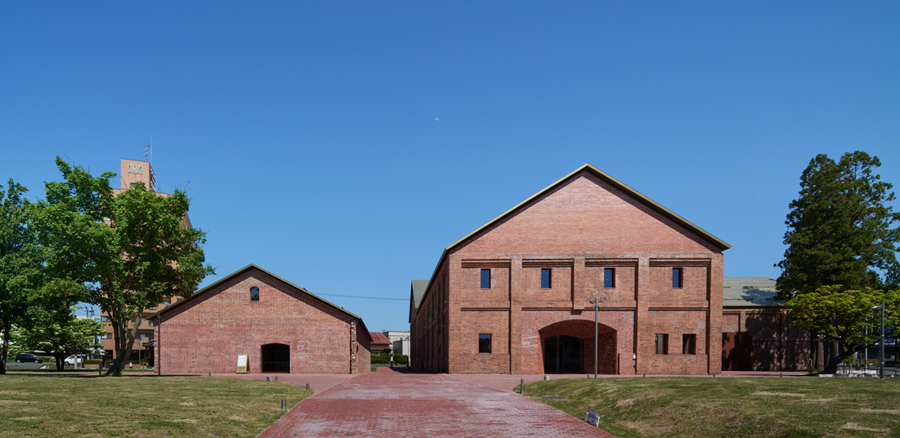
x: 609, y: 278
x: 688, y: 343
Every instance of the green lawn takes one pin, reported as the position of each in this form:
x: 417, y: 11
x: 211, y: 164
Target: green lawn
x: 72, y: 405
x: 734, y: 407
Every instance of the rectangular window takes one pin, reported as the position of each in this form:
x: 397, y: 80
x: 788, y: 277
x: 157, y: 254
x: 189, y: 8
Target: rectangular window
x: 485, y: 278
x: 677, y: 277
x: 108, y: 336
x: 484, y: 343
x: 662, y: 343
x: 609, y: 277
x: 545, y: 279
x: 689, y: 344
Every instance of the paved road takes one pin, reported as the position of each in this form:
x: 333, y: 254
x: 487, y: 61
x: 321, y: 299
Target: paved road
x: 25, y: 365
x: 391, y: 404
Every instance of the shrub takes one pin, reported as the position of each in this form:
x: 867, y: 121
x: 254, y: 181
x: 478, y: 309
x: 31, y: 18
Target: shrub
x: 381, y: 358
x: 401, y: 359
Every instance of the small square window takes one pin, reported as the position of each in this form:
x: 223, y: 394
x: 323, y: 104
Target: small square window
x: 609, y: 277
x: 677, y: 277
x: 689, y: 344
x: 484, y: 343
x: 485, y: 278
x: 545, y: 278
x: 254, y: 293
x: 662, y: 343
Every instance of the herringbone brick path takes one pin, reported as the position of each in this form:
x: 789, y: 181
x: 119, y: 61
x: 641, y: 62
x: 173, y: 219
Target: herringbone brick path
x: 391, y: 404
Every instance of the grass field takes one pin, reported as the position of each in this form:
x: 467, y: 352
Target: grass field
x: 73, y: 405
x: 733, y: 407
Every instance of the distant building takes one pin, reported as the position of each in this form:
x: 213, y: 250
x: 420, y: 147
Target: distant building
x: 757, y: 336
x: 131, y: 173
x: 380, y: 343
x: 279, y: 326
x: 399, y: 342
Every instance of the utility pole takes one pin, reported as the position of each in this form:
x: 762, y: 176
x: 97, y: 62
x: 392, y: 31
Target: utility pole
x: 881, y: 366
x: 595, y: 302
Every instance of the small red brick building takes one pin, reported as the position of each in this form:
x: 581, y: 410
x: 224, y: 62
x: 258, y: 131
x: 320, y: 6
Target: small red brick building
x: 279, y: 326
x: 514, y: 296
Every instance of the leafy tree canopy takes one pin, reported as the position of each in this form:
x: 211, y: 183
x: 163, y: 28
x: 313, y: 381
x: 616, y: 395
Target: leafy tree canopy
x: 61, y: 339
x: 131, y: 250
x: 840, y: 230
x: 844, y: 317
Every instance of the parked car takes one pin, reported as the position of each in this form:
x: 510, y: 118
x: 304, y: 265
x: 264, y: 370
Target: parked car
x: 75, y: 359
x: 28, y: 357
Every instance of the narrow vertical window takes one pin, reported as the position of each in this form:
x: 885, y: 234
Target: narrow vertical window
x: 689, y: 344
x: 254, y: 293
x: 677, y: 277
x: 484, y: 343
x: 545, y: 278
x: 662, y: 343
x: 609, y: 277
x: 485, y: 278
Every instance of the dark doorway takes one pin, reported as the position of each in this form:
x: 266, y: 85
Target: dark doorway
x: 562, y: 354
x: 737, y: 351
x: 276, y: 358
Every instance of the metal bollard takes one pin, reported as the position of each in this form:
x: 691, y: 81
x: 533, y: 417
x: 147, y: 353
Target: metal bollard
x: 210, y: 374
x: 522, y: 387
x: 645, y: 374
x: 276, y: 378
x: 283, y: 404
x: 307, y: 386
x: 779, y: 375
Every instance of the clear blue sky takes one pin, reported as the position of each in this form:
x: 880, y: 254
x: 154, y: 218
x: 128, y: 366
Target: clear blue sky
x: 343, y: 145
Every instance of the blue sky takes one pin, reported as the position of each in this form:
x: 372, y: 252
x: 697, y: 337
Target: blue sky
x: 343, y: 145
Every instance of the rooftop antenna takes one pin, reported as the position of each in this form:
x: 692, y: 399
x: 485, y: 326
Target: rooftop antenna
x: 148, y: 156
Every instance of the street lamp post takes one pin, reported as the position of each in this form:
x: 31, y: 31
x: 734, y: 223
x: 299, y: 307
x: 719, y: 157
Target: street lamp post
x: 881, y: 365
x: 595, y: 302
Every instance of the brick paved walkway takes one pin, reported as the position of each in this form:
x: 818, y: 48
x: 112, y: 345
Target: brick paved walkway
x: 391, y: 404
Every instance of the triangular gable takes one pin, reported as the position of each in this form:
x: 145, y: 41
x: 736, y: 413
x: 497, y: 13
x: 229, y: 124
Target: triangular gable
x: 615, y: 183
x: 212, y: 287
x: 603, y: 176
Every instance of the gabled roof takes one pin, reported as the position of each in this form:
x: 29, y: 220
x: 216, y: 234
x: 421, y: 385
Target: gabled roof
x: 379, y: 338
x: 587, y: 167
x: 228, y: 277
x: 416, y: 293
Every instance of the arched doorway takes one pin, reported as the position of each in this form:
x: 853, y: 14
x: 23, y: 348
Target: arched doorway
x: 276, y: 358
x: 562, y: 354
x: 568, y: 347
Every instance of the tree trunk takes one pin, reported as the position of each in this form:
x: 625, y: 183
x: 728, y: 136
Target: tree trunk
x: 5, y: 350
x: 124, y: 343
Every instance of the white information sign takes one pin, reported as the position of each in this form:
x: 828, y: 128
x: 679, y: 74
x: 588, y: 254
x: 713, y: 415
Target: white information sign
x: 242, y: 364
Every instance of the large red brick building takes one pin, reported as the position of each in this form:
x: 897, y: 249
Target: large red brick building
x: 279, y: 326
x: 514, y: 296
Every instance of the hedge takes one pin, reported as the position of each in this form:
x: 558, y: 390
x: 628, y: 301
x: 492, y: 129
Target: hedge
x: 401, y: 359
x: 381, y: 358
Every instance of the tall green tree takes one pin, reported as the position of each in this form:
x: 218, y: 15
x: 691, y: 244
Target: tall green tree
x: 130, y: 250
x: 844, y: 317
x: 61, y: 339
x: 20, y: 265
x: 841, y: 230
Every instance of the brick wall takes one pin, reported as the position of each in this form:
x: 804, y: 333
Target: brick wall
x: 577, y: 230
x: 207, y: 333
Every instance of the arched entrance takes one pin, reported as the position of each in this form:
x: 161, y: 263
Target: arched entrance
x: 568, y: 347
x: 276, y: 358
x: 562, y: 354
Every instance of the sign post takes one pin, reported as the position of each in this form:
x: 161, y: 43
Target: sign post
x: 242, y: 364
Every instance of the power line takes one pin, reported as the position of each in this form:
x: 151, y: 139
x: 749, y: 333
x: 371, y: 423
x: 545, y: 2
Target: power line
x: 365, y: 298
